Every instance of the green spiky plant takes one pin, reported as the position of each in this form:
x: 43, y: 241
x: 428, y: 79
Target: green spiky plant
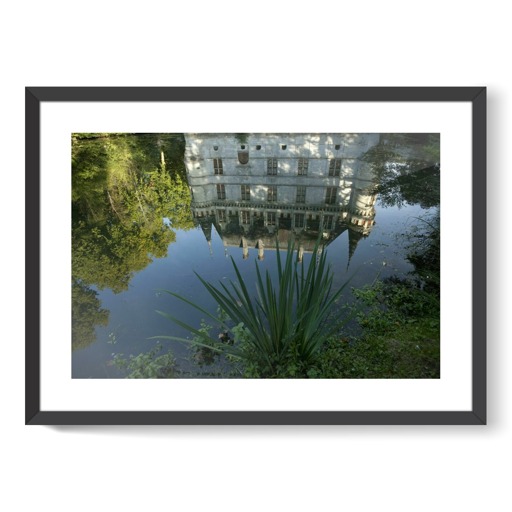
x: 287, y: 322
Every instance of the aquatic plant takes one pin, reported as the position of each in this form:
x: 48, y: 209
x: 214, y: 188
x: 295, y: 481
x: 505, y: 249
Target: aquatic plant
x: 287, y: 323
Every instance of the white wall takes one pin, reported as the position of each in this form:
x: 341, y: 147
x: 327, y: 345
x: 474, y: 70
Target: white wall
x: 255, y: 469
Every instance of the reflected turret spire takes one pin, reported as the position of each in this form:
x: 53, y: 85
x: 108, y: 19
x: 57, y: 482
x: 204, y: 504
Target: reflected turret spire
x: 353, y: 239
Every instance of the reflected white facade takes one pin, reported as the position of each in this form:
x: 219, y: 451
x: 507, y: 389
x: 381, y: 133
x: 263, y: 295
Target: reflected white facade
x: 253, y: 187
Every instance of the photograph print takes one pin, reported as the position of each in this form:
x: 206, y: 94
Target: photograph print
x: 255, y: 255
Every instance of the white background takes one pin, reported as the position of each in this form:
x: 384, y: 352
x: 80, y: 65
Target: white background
x: 255, y: 468
x: 450, y: 393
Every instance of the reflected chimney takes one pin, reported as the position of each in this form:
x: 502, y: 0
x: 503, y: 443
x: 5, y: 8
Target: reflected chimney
x: 261, y: 249
x: 245, y: 248
x: 301, y: 253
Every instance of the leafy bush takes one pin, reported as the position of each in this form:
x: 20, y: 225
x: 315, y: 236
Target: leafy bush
x: 147, y: 365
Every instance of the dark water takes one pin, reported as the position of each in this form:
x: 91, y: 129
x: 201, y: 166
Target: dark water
x: 150, y: 210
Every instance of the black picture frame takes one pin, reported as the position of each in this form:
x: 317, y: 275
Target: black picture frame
x: 35, y: 96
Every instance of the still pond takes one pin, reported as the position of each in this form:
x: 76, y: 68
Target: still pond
x: 152, y: 210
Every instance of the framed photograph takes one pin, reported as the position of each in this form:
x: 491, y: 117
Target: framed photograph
x: 255, y: 256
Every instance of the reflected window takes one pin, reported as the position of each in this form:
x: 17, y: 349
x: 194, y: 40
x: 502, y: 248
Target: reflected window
x: 334, y: 166
x: 271, y: 194
x: 301, y: 194
x: 246, y: 192
x: 330, y: 195
x: 222, y: 215
x: 221, y: 191
x: 217, y: 166
x: 272, y: 166
x: 303, y: 166
x: 327, y: 223
x: 271, y: 218
x: 299, y: 220
x: 245, y: 216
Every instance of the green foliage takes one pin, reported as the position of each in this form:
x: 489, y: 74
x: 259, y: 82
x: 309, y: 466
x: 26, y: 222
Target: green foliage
x: 108, y: 255
x: 399, y: 336
x: 122, y: 191
x: 87, y: 313
x: 147, y: 365
x: 89, y: 177
x: 286, y: 326
x: 399, y: 320
x: 391, y: 302
x: 202, y: 355
x: 406, y: 169
x: 242, y: 137
x: 405, y: 355
x: 425, y: 252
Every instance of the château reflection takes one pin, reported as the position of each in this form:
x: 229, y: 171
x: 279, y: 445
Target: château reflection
x: 259, y: 188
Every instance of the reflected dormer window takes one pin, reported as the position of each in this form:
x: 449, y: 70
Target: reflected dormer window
x: 243, y: 157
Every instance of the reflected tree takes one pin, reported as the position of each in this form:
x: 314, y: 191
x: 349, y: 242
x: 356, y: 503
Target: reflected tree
x: 425, y: 253
x: 87, y: 313
x: 406, y: 169
x: 123, y: 188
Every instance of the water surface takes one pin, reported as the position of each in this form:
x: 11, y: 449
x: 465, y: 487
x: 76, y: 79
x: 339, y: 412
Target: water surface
x: 151, y: 210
